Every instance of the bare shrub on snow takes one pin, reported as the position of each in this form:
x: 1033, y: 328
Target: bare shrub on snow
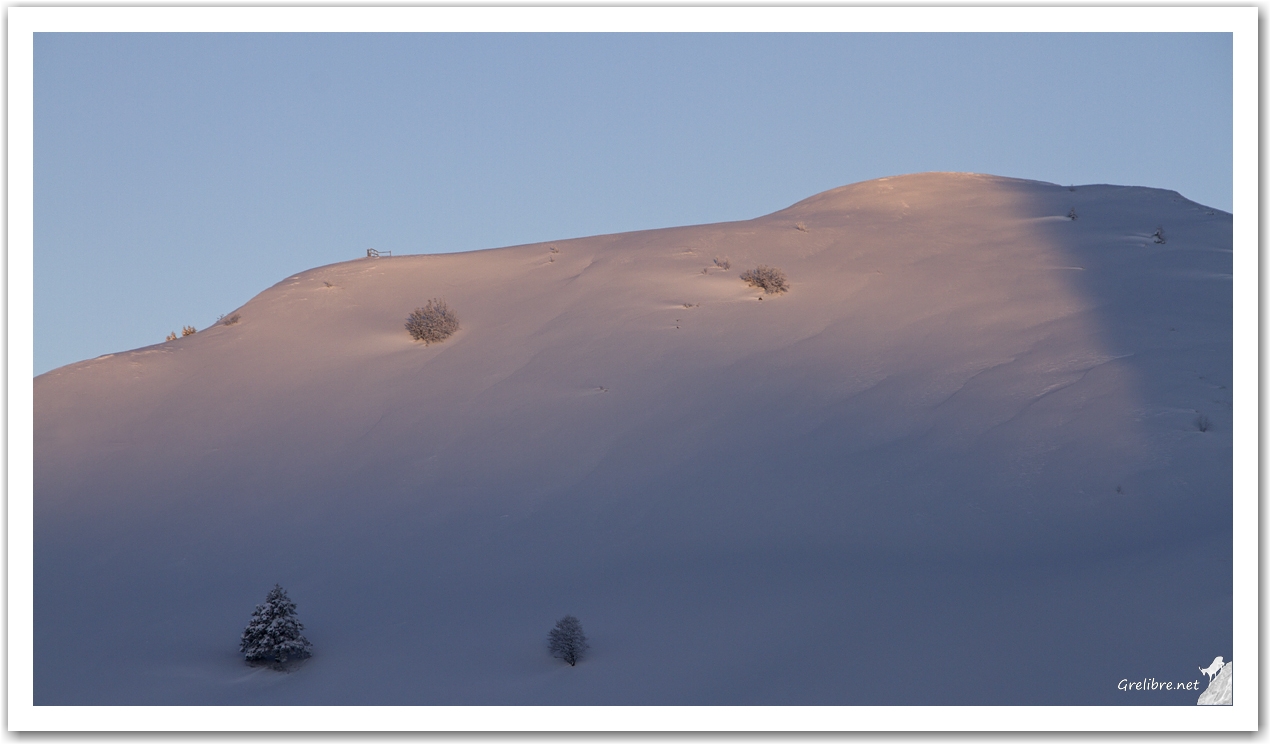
x: 1203, y: 423
x: 432, y: 323
x: 566, y: 641
x: 1159, y: 235
x: 722, y: 262
x: 768, y: 278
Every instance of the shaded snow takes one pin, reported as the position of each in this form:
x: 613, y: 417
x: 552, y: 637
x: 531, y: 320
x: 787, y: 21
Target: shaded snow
x: 962, y: 447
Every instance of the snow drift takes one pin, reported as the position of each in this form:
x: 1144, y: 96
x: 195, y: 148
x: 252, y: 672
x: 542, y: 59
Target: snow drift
x: 965, y: 447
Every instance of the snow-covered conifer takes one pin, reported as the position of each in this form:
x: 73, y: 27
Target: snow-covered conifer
x: 274, y: 633
x: 567, y: 641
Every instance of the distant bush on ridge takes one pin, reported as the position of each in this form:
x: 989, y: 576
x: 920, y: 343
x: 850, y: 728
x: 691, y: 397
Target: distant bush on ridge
x: 432, y: 323
x: 768, y: 278
x: 185, y: 331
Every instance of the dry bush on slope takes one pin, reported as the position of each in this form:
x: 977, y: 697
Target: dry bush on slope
x: 768, y: 278
x: 432, y: 323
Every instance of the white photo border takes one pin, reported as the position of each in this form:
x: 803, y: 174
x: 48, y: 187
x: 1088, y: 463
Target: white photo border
x: 24, y: 22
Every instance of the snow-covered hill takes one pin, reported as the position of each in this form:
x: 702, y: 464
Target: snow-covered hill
x: 965, y: 448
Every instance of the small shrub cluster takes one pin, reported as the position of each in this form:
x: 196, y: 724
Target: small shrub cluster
x: 432, y: 323
x: 1071, y: 214
x: 187, y: 331
x: 800, y: 227
x: 171, y: 336
x: 232, y: 319
x: 722, y: 262
x: 1203, y: 423
x: 1159, y: 235
x: 768, y: 278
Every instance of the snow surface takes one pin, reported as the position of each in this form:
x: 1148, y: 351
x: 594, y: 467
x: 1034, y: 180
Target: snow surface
x: 957, y: 463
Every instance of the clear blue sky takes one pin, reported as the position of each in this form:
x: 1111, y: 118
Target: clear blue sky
x: 178, y: 175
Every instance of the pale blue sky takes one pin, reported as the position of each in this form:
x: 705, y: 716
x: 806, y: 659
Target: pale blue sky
x: 178, y: 175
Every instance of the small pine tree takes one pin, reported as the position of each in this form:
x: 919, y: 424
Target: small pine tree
x: 1071, y: 214
x: 187, y: 331
x: 274, y: 633
x: 171, y: 336
x: 1159, y: 235
x: 567, y: 641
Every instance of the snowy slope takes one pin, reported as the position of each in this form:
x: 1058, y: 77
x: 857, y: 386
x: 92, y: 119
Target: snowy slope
x: 963, y: 448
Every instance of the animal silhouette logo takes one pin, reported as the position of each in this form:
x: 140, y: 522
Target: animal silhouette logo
x: 1213, y: 668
